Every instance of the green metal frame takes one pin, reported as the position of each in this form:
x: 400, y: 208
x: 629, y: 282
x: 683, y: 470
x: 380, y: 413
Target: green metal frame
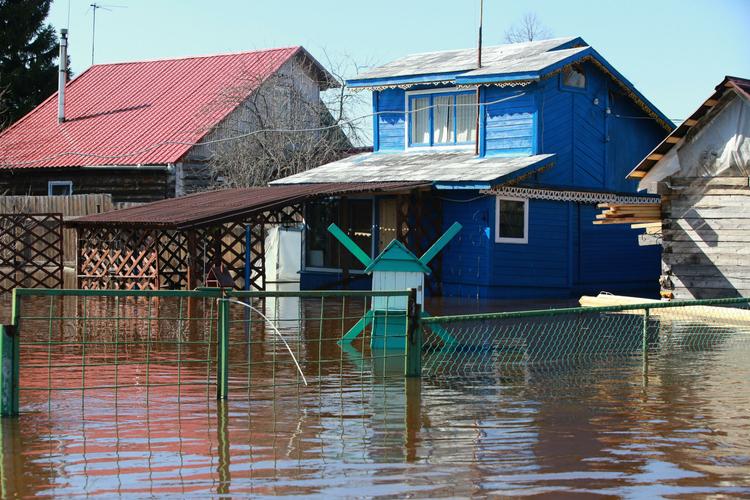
x: 423, y: 333
x: 216, y: 347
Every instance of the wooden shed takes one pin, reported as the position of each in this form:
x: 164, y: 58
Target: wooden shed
x: 702, y: 172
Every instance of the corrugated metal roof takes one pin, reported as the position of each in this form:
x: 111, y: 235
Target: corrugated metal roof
x: 447, y: 167
x: 451, y: 61
x: 730, y: 83
x: 225, y: 205
x: 139, y: 113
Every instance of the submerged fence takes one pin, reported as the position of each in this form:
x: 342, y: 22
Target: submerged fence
x: 482, y: 343
x: 62, y: 344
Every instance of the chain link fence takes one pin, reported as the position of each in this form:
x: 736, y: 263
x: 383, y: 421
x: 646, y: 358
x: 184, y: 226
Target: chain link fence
x: 483, y: 344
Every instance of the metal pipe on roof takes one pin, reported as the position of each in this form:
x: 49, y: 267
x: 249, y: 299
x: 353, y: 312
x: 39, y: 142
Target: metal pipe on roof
x: 62, y: 76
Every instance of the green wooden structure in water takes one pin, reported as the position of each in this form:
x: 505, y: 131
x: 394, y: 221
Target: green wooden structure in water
x: 396, y: 268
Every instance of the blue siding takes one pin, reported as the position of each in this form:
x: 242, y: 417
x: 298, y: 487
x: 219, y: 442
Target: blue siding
x: 543, y: 261
x: 390, y: 126
x: 467, y: 258
x: 630, y: 140
x: 611, y: 260
x: 509, y: 125
x: 479, y: 267
x: 556, y: 132
x: 566, y: 255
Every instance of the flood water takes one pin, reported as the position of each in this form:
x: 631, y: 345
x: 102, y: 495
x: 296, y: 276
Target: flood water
x: 604, y: 428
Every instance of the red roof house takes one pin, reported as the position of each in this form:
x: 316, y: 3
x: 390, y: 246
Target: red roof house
x: 134, y: 129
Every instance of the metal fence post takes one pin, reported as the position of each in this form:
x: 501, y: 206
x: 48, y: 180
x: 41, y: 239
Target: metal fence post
x: 8, y: 371
x: 222, y: 350
x: 413, y: 336
x: 646, y: 312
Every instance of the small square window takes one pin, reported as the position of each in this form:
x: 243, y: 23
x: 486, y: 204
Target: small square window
x: 59, y: 188
x: 511, y: 220
x: 574, y: 77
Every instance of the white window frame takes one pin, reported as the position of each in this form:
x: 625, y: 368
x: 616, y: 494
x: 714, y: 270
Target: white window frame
x: 52, y: 184
x: 520, y: 241
x: 407, y: 124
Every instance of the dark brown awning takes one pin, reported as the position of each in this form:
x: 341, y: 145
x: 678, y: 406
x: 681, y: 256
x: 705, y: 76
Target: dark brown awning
x: 225, y: 205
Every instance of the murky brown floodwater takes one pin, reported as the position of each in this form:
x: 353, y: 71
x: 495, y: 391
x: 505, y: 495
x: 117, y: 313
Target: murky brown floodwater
x: 600, y: 429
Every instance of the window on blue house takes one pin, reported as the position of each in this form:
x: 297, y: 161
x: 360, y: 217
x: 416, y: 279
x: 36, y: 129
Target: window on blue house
x: 442, y: 119
x: 574, y: 77
x: 511, y: 220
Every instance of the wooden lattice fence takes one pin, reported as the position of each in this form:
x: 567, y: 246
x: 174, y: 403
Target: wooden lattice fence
x: 31, y: 250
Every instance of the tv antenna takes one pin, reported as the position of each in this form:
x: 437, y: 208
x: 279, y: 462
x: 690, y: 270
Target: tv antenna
x: 94, y: 7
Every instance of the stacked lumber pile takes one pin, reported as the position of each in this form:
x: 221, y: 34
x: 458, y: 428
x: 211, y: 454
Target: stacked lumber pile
x: 639, y: 215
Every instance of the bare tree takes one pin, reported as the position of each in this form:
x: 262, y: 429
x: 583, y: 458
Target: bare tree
x: 285, y: 126
x: 528, y: 29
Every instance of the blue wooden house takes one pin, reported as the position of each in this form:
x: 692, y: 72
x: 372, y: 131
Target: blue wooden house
x: 518, y: 150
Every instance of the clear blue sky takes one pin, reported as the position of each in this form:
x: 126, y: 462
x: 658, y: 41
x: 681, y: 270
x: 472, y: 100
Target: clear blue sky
x: 674, y: 51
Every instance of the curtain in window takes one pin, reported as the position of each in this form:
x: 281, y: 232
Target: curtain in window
x: 420, y: 120
x: 466, y: 117
x: 442, y: 124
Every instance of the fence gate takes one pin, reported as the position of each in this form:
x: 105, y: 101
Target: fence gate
x: 31, y: 251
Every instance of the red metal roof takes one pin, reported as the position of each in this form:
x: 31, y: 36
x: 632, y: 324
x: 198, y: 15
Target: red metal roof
x: 146, y: 113
x: 224, y: 205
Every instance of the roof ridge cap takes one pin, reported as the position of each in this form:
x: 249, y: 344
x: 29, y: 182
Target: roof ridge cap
x: 204, y: 56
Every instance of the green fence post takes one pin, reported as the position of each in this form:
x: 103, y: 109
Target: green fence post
x: 645, y: 330
x: 8, y: 371
x: 413, y: 337
x: 222, y: 350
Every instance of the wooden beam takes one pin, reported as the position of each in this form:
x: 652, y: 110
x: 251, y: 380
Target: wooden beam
x: 655, y: 156
x: 689, y: 122
x: 673, y: 139
x: 638, y: 174
x: 711, y: 102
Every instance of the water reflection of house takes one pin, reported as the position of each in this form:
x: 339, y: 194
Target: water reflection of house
x: 701, y: 170
x: 518, y: 150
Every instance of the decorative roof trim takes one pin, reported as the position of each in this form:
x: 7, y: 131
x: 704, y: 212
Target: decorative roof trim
x: 472, y: 86
x: 515, y: 83
x: 564, y: 195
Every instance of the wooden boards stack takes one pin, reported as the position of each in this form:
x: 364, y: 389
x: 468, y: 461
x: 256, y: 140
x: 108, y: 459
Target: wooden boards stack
x: 639, y: 215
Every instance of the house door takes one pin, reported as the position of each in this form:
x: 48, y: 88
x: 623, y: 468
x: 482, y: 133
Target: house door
x: 387, y: 218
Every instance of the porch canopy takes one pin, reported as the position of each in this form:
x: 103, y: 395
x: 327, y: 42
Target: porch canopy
x: 172, y: 243
x: 444, y: 170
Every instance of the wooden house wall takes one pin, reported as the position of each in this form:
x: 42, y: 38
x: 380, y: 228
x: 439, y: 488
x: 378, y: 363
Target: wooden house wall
x: 595, y: 150
x: 131, y: 186
x: 390, y: 122
x: 196, y: 172
x: 611, y: 259
x: 509, y: 125
x: 706, y: 237
x: 566, y: 255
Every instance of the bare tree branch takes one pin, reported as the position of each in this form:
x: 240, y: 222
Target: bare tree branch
x: 528, y: 29
x: 287, y: 100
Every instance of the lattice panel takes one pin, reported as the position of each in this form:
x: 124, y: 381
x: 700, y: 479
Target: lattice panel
x: 257, y: 256
x: 31, y: 251
x: 173, y: 259
x: 117, y: 258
